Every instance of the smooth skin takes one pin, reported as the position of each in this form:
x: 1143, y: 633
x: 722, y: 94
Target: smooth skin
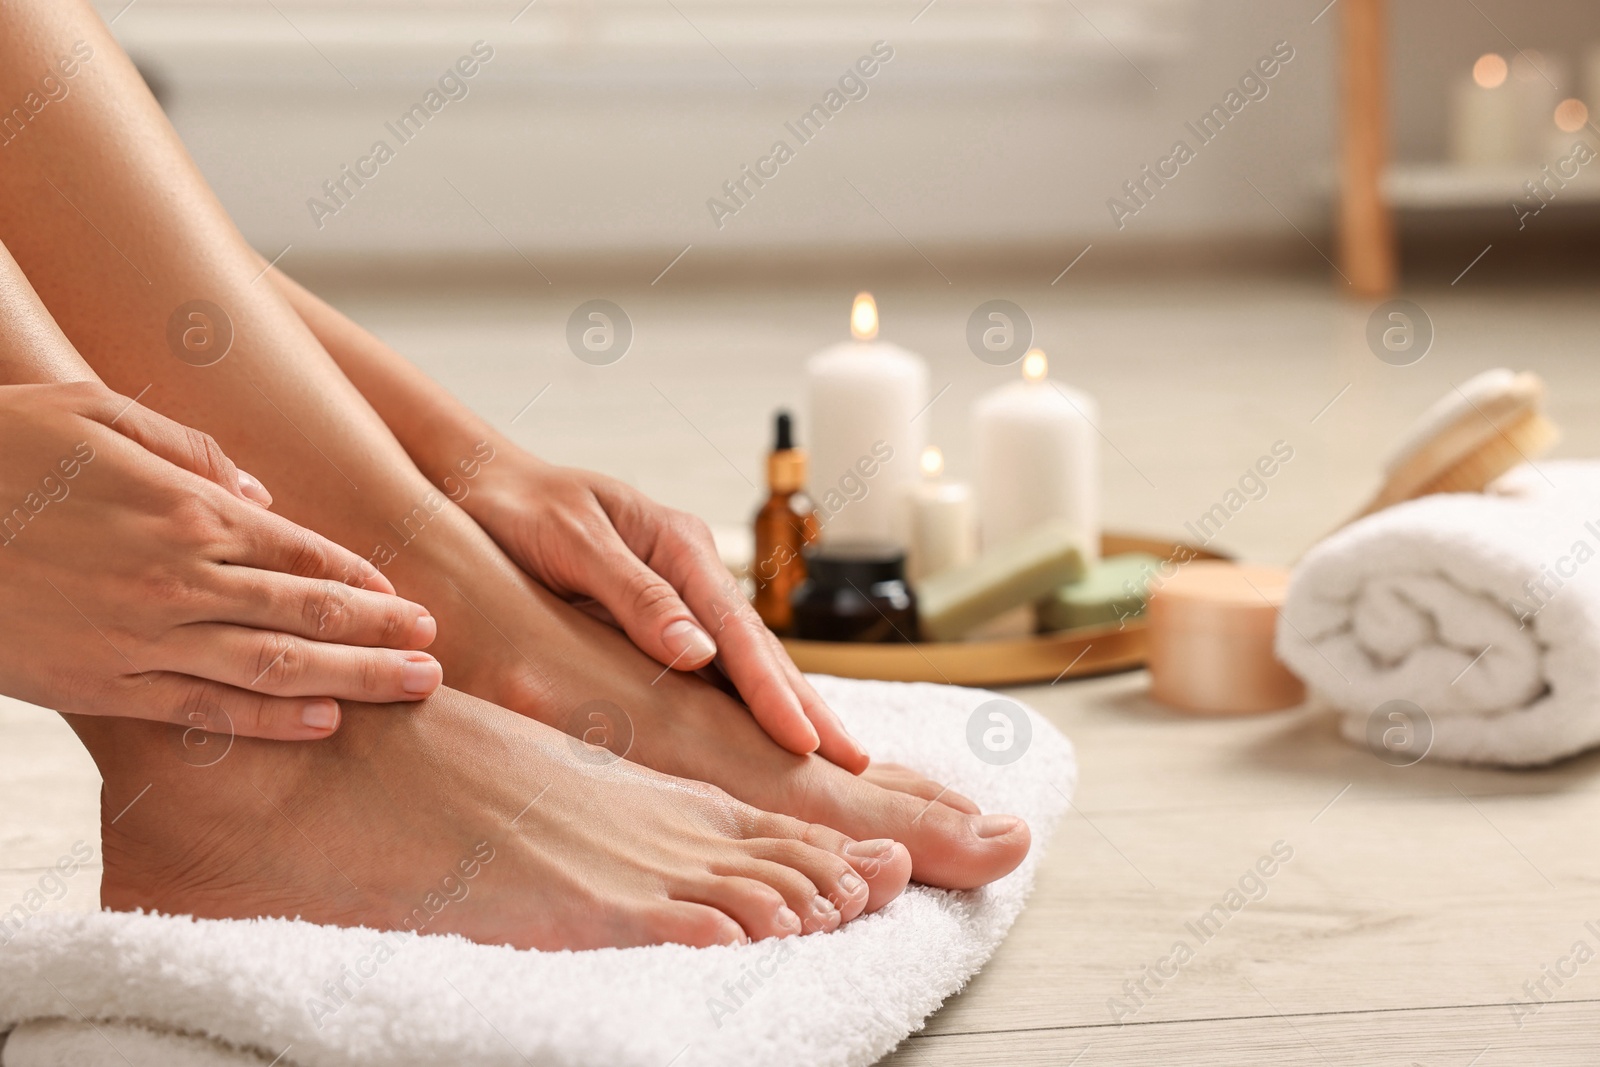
x: 210, y: 611
x: 565, y: 846
x: 284, y: 409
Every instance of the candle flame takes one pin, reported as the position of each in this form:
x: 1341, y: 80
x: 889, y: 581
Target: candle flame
x: 1035, y: 366
x: 864, y: 317
x: 932, y: 461
x: 1490, y: 70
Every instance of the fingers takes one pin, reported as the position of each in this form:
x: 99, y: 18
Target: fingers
x: 645, y: 605
x: 224, y: 711
x: 321, y: 609
x: 834, y: 742
x: 177, y: 444
x: 273, y: 543
x: 283, y: 665
x: 779, y: 697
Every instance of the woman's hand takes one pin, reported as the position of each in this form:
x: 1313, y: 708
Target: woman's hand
x: 144, y: 577
x: 657, y: 573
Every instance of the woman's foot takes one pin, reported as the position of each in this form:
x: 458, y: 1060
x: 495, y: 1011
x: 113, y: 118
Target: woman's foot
x: 452, y: 816
x: 507, y: 640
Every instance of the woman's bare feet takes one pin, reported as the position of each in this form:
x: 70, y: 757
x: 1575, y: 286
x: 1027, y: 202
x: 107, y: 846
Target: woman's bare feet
x: 507, y: 640
x: 452, y: 816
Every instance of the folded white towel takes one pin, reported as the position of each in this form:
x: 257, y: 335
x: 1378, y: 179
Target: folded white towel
x: 1482, y: 610
x: 844, y: 998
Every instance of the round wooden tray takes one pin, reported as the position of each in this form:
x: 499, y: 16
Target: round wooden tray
x: 1012, y: 661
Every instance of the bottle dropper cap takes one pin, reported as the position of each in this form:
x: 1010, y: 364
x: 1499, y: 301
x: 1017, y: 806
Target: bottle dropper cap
x: 786, y: 466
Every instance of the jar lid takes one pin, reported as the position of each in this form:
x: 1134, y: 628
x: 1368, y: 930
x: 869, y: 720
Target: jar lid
x: 840, y: 564
x: 1220, y: 596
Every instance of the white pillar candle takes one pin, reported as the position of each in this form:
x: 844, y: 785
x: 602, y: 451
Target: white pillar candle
x: 936, y: 521
x: 1484, y: 109
x: 1038, y: 459
x: 865, y: 437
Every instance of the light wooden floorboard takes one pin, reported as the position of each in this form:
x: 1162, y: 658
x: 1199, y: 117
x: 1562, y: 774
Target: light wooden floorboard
x: 1560, y: 1035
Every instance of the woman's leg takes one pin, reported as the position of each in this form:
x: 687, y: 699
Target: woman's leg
x: 118, y: 232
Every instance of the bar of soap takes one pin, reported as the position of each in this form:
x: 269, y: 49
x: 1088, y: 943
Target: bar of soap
x: 1007, y: 576
x: 1114, y: 589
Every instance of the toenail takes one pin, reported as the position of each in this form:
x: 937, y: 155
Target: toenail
x: 688, y: 642
x: 869, y: 850
x: 994, y: 825
x: 421, y: 675
x: 824, y: 916
x: 787, y: 921
x: 851, y: 883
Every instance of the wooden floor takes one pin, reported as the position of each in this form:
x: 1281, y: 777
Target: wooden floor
x: 1417, y: 901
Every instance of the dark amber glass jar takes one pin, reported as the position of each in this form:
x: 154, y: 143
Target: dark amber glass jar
x: 855, y: 591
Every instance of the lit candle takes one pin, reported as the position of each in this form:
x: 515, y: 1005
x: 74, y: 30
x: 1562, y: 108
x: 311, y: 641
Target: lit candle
x: 865, y: 396
x: 1038, y: 459
x: 1483, y: 115
x: 936, y: 521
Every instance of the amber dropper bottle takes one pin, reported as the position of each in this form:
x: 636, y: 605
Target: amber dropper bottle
x: 785, y: 524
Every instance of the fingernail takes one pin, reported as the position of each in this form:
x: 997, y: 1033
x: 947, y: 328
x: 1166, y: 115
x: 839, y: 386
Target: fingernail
x: 424, y: 631
x: 688, y: 643
x: 869, y: 850
x: 787, y: 920
x: 994, y: 825
x: 421, y: 675
x: 321, y: 714
x: 851, y: 883
x: 252, y: 489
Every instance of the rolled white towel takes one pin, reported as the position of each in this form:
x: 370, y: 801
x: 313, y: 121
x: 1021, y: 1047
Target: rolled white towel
x: 1482, y: 610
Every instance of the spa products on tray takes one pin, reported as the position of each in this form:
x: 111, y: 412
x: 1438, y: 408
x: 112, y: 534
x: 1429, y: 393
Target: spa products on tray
x: 935, y: 521
x: 1007, y: 576
x: 865, y: 396
x: 784, y: 526
x: 855, y: 591
x: 1111, y: 591
x: 1038, y: 459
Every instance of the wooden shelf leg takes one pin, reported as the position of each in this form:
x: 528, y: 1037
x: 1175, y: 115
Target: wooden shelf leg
x: 1366, y: 225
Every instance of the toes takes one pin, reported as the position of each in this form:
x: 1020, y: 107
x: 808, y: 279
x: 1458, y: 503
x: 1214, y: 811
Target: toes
x: 820, y: 886
x: 883, y: 865
x: 948, y: 848
x: 696, y: 925
x: 905, y: 780
x: 807, y: 878
x: 758, y: 908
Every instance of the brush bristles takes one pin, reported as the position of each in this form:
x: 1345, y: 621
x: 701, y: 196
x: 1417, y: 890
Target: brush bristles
x: 1513, y: 445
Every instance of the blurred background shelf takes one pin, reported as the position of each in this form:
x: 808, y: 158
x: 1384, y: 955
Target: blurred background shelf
x: 1425, y: 186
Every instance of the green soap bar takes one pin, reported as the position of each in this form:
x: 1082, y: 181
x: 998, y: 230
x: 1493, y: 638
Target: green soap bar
x: 1102, y: 595
x: 1008, y: 576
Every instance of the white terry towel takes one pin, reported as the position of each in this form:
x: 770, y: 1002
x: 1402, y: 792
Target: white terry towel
x: 1482, y: 610
x: 844, y: 998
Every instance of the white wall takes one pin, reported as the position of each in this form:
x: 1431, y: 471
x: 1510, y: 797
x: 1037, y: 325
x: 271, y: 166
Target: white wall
x: 604, y: 128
